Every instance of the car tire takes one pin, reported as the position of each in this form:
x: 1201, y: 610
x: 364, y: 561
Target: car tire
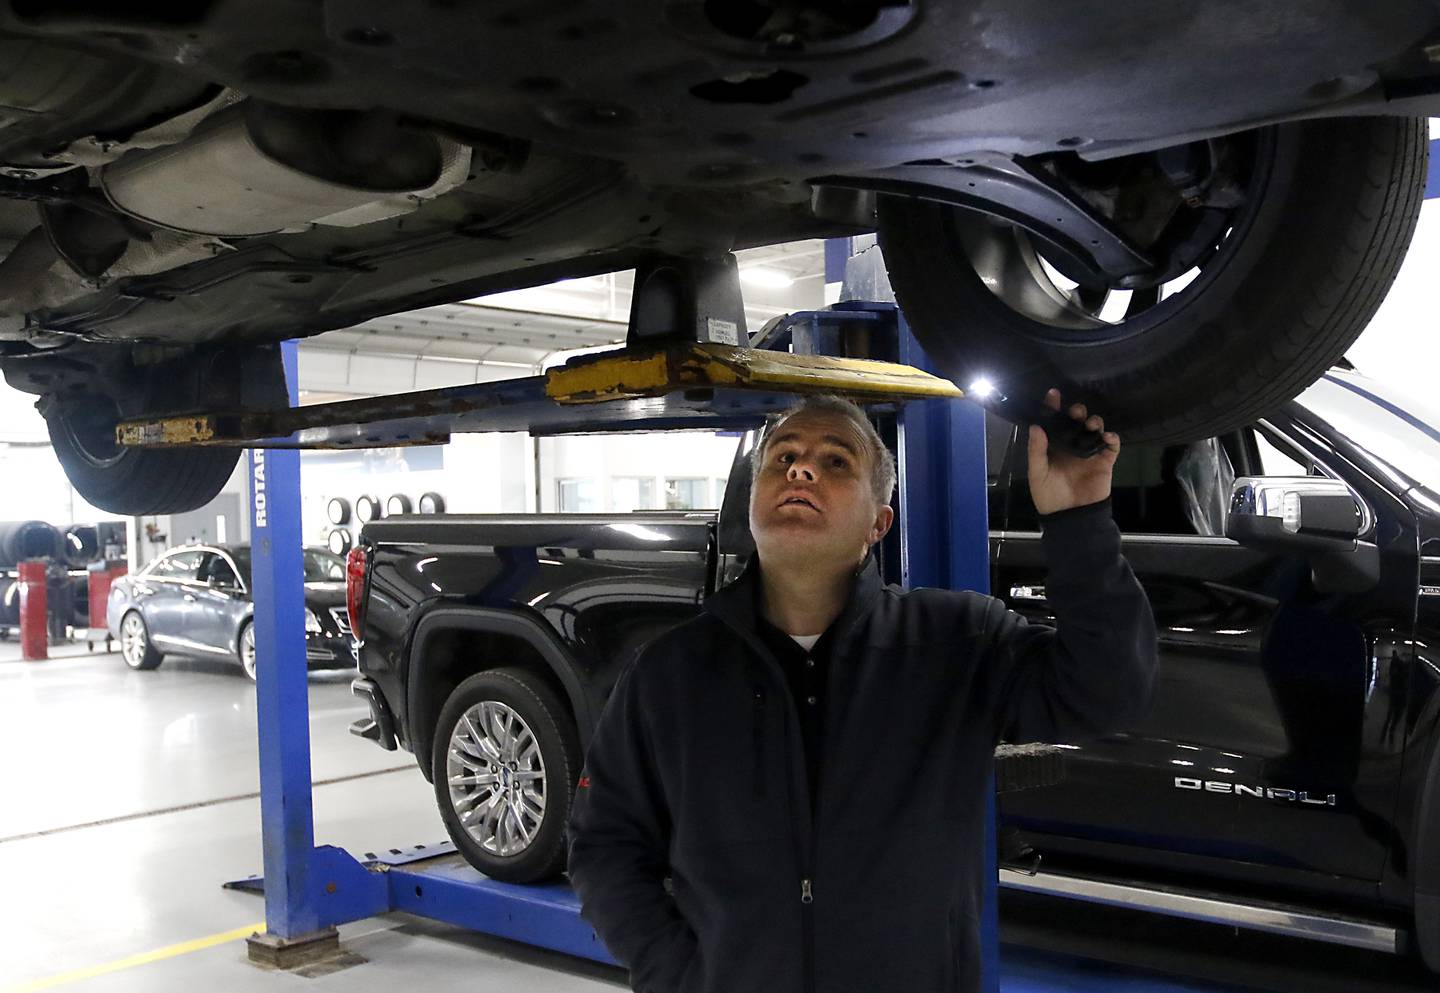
x: 1296, y: 280
x: 514, y: 708
x: 131, y: 481
x: 135, y: 645
x: 245, y: 649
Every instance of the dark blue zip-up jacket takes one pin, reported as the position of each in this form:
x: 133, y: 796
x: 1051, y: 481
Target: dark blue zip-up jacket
x: 696, y: 771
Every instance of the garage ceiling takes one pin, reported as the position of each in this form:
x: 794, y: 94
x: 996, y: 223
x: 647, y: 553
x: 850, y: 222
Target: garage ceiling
x: 512, y: 334
x: 473, y: 331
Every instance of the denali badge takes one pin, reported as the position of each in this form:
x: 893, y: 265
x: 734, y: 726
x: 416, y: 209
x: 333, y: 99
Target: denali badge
x: 1265, y: 792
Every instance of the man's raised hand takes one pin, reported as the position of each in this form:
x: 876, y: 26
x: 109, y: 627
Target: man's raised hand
x: 1058, y: 480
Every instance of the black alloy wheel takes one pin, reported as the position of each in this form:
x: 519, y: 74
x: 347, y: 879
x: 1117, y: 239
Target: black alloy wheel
x: 504, y: 764
x: 1274, y: 248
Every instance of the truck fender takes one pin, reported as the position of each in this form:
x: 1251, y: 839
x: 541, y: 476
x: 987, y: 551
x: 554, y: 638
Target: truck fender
x: 488, y: 620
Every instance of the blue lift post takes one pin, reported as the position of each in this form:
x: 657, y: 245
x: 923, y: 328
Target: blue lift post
x: 945, y: 543
x: 309, y: 889
x: 282, y: 702
x: 303, y: 893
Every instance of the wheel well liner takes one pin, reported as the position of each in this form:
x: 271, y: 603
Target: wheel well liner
x: 451, y: 643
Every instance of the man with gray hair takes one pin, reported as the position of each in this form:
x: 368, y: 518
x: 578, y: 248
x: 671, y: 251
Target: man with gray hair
x: 786, y: 794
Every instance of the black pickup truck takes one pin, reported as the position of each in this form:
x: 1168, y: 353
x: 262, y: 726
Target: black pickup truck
x: 1287, y: 778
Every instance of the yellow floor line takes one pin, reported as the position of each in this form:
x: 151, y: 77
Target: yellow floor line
x: 130, y: 962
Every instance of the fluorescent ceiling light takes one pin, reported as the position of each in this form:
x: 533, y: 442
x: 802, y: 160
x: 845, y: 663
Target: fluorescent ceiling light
x: 759, y: 275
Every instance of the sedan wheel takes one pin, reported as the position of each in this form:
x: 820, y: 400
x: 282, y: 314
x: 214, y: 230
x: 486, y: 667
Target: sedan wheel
x: 505, y: 760
x: 135, y: 647
x: 247, y: 650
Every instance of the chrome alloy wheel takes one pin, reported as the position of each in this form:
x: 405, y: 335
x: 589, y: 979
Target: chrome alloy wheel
x: 133, y: 640
x: 247, y: 650
x: 496, y: 778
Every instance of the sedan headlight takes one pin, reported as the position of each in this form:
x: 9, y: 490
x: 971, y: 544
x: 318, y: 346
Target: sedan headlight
x: 312, y: 622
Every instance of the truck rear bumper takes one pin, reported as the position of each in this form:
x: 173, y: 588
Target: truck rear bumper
x: 379, y: 727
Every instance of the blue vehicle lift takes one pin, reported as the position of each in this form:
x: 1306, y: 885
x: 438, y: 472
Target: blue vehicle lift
x: 310, y: 889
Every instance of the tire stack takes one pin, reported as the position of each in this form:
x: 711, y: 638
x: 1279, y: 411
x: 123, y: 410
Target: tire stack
x: 21, y: 540
x: 68, y: 552
x: 9, y: 604
x: 82, y: 545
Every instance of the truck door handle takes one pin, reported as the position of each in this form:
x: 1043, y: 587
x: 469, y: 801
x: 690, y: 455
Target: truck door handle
x: 1032, y: 593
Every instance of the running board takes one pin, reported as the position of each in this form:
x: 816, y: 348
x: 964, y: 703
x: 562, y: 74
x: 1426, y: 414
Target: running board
x: 1275, y: 918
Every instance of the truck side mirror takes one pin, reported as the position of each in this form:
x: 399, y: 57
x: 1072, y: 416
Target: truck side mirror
x: 1314, y: 516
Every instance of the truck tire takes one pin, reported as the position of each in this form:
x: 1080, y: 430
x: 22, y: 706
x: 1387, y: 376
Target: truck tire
x: 1310, y: 252
x: 505, y: 761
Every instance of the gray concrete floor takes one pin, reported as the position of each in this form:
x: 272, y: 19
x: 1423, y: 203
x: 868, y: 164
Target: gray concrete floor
x: 127, y: 798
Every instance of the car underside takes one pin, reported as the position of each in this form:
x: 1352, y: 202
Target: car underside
x: 180, y: 188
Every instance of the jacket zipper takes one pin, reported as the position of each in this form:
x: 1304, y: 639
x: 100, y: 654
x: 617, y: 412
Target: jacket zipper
x: 799, y: 798
x: 801, y: 782
x: 807, y: 930
x: 805, y: 853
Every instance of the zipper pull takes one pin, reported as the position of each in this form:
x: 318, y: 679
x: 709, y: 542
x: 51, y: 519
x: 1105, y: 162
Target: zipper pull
x: 805, y: 895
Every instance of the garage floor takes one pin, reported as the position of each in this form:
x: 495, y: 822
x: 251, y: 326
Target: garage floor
x: 129, y: 797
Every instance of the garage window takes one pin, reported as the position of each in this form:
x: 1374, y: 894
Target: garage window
x: 629, y: 493
x: 578, y: 496
x: 687, y: 493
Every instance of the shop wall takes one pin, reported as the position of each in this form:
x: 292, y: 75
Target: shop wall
x: 608, y: 473
x: 475, y: 473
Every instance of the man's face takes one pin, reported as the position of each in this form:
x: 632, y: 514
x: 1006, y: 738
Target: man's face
x: 812, y: 497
